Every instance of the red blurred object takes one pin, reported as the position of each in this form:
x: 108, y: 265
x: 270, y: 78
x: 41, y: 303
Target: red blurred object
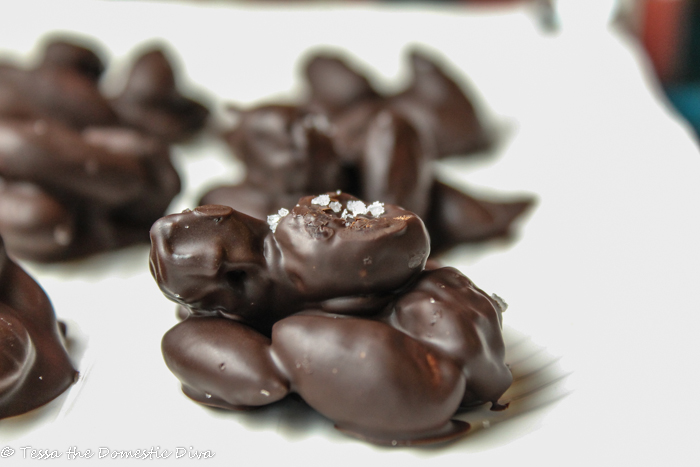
x: 663, y: 31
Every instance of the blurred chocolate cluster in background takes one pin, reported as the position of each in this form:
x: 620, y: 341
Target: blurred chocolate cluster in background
x: 82, y: 172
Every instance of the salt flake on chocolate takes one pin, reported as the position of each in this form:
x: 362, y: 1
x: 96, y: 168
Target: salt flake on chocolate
x: 321, y: 200
x: 274, y: 219
x: 346, y: 217
x: 335, y: 206
x: 357, y: 207
x: 376, y: 209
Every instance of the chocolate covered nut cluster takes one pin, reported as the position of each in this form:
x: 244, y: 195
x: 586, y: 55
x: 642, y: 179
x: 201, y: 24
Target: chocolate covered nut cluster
x: 66, y: 194
x: 80, y: 173
x: 34, y: 364
x: 348, y: 136
x: 331, y: 301
x: 433, y: 103
x: 152, y: 103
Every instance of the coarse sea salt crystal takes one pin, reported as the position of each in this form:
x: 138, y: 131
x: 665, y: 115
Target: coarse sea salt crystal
x: 376, y: 209
x: 321, y: 200
x: 357, y: 207
x: 347, y: 217
x: 335, y: 206
x: 274, y: 219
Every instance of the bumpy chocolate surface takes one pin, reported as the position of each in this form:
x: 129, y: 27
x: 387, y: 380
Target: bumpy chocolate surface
x: 216, y: 260
x: 34, y: 364
x: 348, y: 136
x: 79, y: 173
x: 330, y: 301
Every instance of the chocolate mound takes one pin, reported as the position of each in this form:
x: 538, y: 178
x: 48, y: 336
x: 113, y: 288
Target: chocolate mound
x: 152, y: 102
x: 348, y: 136
x: 34, y: 364
x: 80, y: 174
x: 63, y: 87
x: 330, y: 301
x: 67, y: 194
x: 433, y: 102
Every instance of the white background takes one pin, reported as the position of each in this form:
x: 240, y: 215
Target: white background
x: 604, y: 272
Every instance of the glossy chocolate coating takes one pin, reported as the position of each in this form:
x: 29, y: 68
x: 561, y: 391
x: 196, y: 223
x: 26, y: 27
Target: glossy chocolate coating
x: 34, y: 365
x: 226, y: 272
x: 326, y: 256
x: 152, y: 102
x: 245, y: 269
x: 67, y: 193
x: 349, y: 137
x: 224, y: 363
x: 337, y: 310
x: 368, y: 377
x: 448, y: 313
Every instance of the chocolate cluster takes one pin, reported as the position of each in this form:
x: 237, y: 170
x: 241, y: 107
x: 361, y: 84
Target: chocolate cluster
x: 152, y: 103
x: 80, y: 172
x: 331, y: 301
x: 346, y: 135
x: 34, y: 365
